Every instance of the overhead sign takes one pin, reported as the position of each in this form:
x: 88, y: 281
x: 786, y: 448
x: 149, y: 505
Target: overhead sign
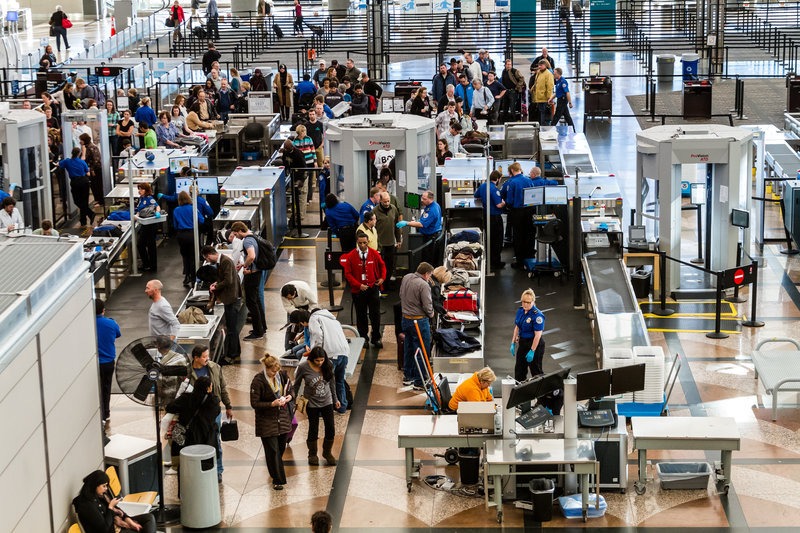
x: 738, y: 276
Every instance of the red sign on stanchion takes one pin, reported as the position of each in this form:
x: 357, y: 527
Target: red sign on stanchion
x: 737, y: 276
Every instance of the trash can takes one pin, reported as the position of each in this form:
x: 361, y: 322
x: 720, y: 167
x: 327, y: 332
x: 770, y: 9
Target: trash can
x: 792, y: 94
x: 199, y: 487
x: 542, y: 499
x: 697, y: 99
x: 690, y: 62
x: 469, y: 465
x: 640, y: 281
x: 665, y: 66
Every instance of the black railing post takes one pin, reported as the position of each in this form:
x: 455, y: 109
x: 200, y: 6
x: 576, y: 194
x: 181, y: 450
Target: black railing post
x: 717, y: 333
x: 736, y: 299
x: 663, y: 310
x: 753, y: 322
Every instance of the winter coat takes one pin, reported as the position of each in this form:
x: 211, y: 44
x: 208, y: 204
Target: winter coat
x: 270, y: 421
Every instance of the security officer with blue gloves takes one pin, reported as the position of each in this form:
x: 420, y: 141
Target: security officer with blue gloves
x: 520, y: 218
x: 527, y: 344
x: 430, y: 227
x: 538, y: 180
x: 563, y: 99
x: 496, y: 205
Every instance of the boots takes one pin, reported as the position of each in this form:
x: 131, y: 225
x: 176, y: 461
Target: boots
x: 327, y: 445
x: 313, y: 460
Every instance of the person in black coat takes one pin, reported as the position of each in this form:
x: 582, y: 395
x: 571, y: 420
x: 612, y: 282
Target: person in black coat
x: 98, y: 512
x: 197, y: 412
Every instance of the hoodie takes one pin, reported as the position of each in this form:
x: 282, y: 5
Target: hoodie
x: 324, y: 330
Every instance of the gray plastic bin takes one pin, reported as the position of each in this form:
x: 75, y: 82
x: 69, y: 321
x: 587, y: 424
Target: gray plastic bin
x: 665, y: 66
x: 199, y: 487
x: 683, y: 475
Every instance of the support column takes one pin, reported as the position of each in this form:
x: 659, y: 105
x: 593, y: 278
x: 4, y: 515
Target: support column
x: 377, y: 23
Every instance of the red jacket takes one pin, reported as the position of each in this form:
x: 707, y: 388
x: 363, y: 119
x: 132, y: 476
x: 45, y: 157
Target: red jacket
x: 176, y: 13
x: 353, y: 271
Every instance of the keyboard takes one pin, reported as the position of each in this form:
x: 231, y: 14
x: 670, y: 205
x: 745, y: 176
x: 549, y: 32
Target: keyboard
x: 535, y: 417
x: 597, y: 418
x: 543, y: 218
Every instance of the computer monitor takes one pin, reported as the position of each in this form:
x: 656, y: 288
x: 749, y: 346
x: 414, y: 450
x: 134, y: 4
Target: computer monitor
x: 627, y: 379
x: 555, y: 195
x: 412, y: 200
x: 205, y: 185
x: 176, y: 164
x: 593, y: 384
x: 533, y: 196
x: 637, y: 233
x: 536, y: 387
x: 740, y: 218
x: 182, y: 185
x: 199, y: 164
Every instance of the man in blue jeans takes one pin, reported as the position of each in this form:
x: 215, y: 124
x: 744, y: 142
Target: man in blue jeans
x: 417, y: 307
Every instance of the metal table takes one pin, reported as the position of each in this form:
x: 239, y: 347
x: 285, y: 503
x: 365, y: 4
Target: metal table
x: 686, y: 433
x: 242, y: 213
x: 504, y: 456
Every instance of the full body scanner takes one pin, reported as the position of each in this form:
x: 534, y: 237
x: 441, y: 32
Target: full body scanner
x: 722, y: 158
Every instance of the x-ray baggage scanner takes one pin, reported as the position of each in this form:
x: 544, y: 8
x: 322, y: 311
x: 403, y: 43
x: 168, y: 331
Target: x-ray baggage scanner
x: 351, y: 139
x: 723, y: 158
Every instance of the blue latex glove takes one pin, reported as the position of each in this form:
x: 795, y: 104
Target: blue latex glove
x: 158, y: 214
x: 529, y: 357
x: 513, y: 349
x: 159, y: 196
x: 402, y: 224
x: 323, y: 206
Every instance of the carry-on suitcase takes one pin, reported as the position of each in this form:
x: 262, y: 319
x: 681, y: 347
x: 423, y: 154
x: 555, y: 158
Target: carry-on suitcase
x: 278, y: 31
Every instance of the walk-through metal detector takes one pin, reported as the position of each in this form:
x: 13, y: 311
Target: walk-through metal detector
x: 24, y: 159
x: 723, y: 157
x: 351, y: 140
x: 97, y: 121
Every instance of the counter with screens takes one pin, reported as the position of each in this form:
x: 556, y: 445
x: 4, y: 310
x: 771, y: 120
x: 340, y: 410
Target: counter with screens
x: 545, y: 195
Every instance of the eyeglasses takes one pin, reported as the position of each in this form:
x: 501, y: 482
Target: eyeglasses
x: 529, y: 302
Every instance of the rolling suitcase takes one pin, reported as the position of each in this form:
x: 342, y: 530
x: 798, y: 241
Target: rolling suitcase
x: 278, y: 31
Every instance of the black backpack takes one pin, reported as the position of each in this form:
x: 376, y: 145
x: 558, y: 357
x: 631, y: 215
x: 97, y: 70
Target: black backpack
x: 455, y: 342
x: 266, y: 258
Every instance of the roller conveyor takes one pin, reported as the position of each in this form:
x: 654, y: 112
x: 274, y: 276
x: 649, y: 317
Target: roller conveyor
x: 782, y: 159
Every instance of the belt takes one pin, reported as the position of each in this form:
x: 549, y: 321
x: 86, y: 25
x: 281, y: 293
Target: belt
x: 414, y: 317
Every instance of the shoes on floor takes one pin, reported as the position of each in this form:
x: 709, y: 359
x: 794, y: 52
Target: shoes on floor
x: 407, y: 382
x: 219, y: 478
x: 418, y: 387
x: 230, y: 360
x: 277, y: 486
x: 254, y: 337
x: 377, y: 344
x: 170, y: 472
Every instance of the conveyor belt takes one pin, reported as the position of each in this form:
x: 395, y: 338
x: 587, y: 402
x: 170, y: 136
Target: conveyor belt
x: 611, y: 286
x: 782, y: 159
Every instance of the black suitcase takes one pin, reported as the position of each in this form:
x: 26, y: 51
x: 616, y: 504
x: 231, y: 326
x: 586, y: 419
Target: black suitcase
x: 401, y: 347
x: 199, y: 32
x: 278, y: 31
x: 317, y: 30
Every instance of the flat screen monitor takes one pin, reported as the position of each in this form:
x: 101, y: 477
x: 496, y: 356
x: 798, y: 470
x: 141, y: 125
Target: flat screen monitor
x: 205, y: 185
x: 533, y: 196
x: 698, y: 193
x: 199, y: 164
x: 740, y: 218
x: 593, y: 384
x: 627, y: 379
x: 637, y: 233
x: 555, y: 195
x: 412, y: 200
x: 176, y: 164
x: 536, y: 387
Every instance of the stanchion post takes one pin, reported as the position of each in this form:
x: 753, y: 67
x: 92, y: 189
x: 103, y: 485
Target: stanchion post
x: 663, y: 310
x: 753, y: 323
x: 736, y: 299
x: 717, y: 333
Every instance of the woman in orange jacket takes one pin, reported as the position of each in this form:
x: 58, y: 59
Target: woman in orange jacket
x: 475, y: 389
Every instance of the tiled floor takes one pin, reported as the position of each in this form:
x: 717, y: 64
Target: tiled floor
x: 367, y: 489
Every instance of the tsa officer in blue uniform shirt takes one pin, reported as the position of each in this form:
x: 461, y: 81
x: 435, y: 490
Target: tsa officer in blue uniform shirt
x: 527, y: 344
x: 563, y: 99
x: 342, y: 220
x: 520, y: 218
x: 537, y: 179
x: 496, y: 205
x: 430, y: 227
x: 373, y: 200
x: 184, y: 222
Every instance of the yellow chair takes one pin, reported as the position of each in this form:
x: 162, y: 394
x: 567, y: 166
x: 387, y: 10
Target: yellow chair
x: 114, y: 484
x: 75, y: 528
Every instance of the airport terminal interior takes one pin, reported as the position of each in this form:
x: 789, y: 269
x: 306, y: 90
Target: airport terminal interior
x: 653, y: 151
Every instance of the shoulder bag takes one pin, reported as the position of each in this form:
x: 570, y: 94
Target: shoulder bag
x: 66, y: 23
x: 229, y: 430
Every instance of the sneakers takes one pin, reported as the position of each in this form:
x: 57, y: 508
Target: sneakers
x: 254, y: 337
x: 418, y: 387
x: 228, y: 360
x: 377, y: 344
x: 407, y: 382
x: 277, y: 486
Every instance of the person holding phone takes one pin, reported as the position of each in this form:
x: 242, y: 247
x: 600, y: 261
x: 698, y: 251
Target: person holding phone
x: 365, y: 272
x: 271, y: 399
x: 98, y: 510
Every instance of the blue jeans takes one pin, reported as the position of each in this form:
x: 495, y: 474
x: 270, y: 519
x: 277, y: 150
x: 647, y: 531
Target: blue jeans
x: 339, y: 368
x: 412, y: 344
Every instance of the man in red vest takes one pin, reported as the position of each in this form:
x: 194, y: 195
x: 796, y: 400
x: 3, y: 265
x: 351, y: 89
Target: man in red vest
x: 365, y: 272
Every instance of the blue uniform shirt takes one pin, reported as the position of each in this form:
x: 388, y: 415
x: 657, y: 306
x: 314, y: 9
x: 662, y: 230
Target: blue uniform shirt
x: 182, y: 217
x: 107, y: 332
x: 202, y: 205
x: 494, y: 198
x: 514, y: 190
x: 365, y: 207
x: 529, y: 323
x: 146, y: 201
x: 543, y: 182
x: 431, y: 219
x: 76, y: 167
x: 341, y: 215
x: 562, y: 87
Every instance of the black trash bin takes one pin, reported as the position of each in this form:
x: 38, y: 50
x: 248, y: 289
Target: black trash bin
x: 469, y: 465
x: 640, y: 281
x: 542, y: 499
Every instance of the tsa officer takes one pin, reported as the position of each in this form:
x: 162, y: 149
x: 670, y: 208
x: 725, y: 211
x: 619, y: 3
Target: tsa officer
x: 520, y: 218
x: 527, y: 344
x: 430, y: 227
x: 563, y: 100
x: 496, y: 205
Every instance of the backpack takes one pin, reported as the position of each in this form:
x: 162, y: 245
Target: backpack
x: 266, y: 258
x: 99, y: 96
x: 373, y: 104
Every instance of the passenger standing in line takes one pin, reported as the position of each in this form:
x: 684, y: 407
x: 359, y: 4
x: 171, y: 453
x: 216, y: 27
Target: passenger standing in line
x: 91, y: 154
x: 390, y: 238
x: 203, y: 367
x: 542, y: 91
x: 563, y: 99
x: 107, y: 333
x: 184, y: 220
x: 160, y: 317
x: 326, y: 331
x: 227, y: 289
x: 417, y: 308
x: 316, y: 374
x: 527, y: 344
x: 271, y: 395
x: 514, y: 83
x: 212, y: 20
x: 254, y: 280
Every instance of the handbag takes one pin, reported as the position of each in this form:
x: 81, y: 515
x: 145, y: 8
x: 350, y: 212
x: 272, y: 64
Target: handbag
x: 52, y: 31
x: 66, y: 23
x: 229, y: 430
x: 170, y: 22
x: 179, y: 430
x: 301, y: 404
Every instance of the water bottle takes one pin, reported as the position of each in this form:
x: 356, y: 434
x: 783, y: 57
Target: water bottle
x: 602, y: 210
